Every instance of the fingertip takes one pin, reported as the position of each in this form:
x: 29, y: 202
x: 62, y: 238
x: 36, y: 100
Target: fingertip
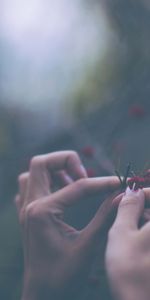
x: 83, y: 171
x: 130, y: 209
x: 133, y: 194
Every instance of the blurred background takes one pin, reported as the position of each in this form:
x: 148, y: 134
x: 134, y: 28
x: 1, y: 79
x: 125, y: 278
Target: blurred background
x: 73, y: 75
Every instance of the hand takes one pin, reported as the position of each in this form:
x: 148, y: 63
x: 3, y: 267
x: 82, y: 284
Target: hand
x: 57, y: 256
x: 128, y: 249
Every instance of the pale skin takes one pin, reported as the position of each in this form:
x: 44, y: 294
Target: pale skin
x: 57, y: 256
x: 128, y: 249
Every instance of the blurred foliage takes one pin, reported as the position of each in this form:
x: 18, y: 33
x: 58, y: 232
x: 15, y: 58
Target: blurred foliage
x: 94, y: 89
x: 110, y: 104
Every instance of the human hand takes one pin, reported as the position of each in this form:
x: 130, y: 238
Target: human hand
x: 57, y: 256
x: 128, y: 249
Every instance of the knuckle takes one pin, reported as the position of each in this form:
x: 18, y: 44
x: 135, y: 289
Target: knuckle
x: 73, y: 154
x: 22, y: 177
x: 37, y: 216
x: 33, y: 212
x: 129, y: 201
x: 34, y: 161
x: 17, y: 198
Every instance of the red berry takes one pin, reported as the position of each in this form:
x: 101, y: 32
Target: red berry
x: 136, y: 182
x: 137, y: 111
x: 91, y: 172
x: 88, y: 151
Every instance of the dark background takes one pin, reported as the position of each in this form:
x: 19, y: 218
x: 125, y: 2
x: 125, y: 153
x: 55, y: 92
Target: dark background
x: 107, y: 109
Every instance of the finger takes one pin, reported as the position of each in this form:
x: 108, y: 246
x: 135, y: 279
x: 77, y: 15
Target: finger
x: 146, y: 228
x: 147, y: 196
x: 18, y: 203
x: 41, y: 168
x: 23, y: 180
x: 62, y: 179
x: 118, y: 199
x: 130, y: 210
x: 146, y: 215
x: 84, y: 188
x: 145, y: 218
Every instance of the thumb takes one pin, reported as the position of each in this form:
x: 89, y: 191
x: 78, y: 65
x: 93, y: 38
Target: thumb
x: 130, y: 209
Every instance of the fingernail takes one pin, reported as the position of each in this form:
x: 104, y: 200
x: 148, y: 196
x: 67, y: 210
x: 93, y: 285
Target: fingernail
x: 68, y: 179
x: 129, y: 191
x: 132, y: 192
x: 83, y: 170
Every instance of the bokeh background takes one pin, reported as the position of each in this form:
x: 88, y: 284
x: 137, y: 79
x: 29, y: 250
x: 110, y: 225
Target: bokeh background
x: 73, y: 75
